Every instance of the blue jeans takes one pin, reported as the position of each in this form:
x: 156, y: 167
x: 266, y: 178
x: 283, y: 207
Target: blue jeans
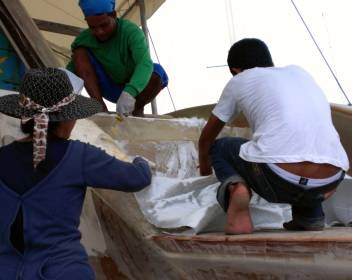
x: 231, y: 168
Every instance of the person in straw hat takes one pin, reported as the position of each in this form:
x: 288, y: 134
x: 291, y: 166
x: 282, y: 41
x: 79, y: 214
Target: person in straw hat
x: 43, y: 180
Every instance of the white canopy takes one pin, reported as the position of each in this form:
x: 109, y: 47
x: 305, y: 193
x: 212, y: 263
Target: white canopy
x: 67, y: 12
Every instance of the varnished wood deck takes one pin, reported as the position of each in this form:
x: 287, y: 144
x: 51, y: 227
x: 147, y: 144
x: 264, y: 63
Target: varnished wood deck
x: 276, y: 254
x: 336, y: 241
x: 263, y: 255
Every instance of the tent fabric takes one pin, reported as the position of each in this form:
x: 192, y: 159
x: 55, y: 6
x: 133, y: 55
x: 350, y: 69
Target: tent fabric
x: 68, y: 12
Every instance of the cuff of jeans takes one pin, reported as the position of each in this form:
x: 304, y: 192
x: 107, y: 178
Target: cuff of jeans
x: 309, y: 222
x: 223, y: 195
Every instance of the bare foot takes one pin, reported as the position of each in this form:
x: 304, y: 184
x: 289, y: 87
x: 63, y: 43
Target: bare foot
x: 238, y: 219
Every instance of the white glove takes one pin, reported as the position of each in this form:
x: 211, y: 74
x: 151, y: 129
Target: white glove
x: 125, y: 104
x: 77, y: 82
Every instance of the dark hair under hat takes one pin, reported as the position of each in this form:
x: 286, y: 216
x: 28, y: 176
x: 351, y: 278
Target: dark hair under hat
x: 46, y: 87
x: 249, y: 53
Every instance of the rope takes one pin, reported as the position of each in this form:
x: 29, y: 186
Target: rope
x: 216, y: 66
x: 60, y: 53
x: 320, y: 51
x: 157, y: 58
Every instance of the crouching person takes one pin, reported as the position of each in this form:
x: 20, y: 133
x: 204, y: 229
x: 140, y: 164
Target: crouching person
x: 295, y: 155
x: 44, y: 177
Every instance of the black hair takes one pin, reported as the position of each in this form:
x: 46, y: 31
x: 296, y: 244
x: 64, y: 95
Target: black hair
x: 249, y: 53
x: 28, y: 126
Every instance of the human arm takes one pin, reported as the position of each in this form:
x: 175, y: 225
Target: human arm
x: 139, y: 53
x: 208, y: 135
x: 104, y: 171
x: 85, y: 70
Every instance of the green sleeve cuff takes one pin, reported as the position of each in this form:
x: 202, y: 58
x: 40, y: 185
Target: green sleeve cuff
x: 132, y: 91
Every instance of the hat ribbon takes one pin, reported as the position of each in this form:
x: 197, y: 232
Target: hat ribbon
x: 41, y: 120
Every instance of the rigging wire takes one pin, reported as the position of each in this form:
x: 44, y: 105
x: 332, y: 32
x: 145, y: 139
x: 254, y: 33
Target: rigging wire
x: 157, y: 58
x: 60, y: 53
x: 217, y: 66
x: 230, y: 28
x: 327, y: 33
x: 320, y: 51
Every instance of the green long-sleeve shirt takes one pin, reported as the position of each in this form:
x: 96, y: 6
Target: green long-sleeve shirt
x: 125, y: 56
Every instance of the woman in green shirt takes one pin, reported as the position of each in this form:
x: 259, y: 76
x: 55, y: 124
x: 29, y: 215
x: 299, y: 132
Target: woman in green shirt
x: 113, y: 59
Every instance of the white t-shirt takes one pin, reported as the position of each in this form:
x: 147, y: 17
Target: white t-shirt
x: 288, y: 114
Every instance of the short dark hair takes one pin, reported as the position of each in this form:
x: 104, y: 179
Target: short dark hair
x: 249, y: 53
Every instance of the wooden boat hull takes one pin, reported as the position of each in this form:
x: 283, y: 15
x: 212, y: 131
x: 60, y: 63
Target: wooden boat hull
x: 264, y: 255
x: 122, y: 245
x: 142, y: 251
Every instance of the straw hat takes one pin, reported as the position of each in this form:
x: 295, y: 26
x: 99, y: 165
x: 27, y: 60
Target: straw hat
x: 47, y: 87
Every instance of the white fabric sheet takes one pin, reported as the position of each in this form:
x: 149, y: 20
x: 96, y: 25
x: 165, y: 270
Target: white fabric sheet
x: 179, y: 197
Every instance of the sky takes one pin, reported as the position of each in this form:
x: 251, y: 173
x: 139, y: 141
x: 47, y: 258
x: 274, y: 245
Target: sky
x: 192, y: 38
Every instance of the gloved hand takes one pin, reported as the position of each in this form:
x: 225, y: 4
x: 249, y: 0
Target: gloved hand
x: 125, y: 104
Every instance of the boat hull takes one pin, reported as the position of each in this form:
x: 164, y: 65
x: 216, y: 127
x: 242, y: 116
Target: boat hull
x: 122, y: 245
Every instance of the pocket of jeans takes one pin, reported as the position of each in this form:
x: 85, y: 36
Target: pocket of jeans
x: 261, y: 185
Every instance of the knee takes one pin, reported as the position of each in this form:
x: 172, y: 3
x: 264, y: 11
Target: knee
x: 217, y: 147
x: 155, y: 83
x: 226, y: 146
x: 80, y: 56
x: 82, y: 62
x: 149, y: 92
x: 221, y: 143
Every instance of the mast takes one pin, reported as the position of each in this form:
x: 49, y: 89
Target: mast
x: 24, y: 35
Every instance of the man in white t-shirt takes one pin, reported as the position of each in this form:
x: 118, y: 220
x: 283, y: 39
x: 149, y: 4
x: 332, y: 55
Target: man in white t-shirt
x: 295, y: 155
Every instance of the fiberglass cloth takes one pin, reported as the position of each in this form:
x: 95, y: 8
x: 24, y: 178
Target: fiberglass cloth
x: 178, y: 197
